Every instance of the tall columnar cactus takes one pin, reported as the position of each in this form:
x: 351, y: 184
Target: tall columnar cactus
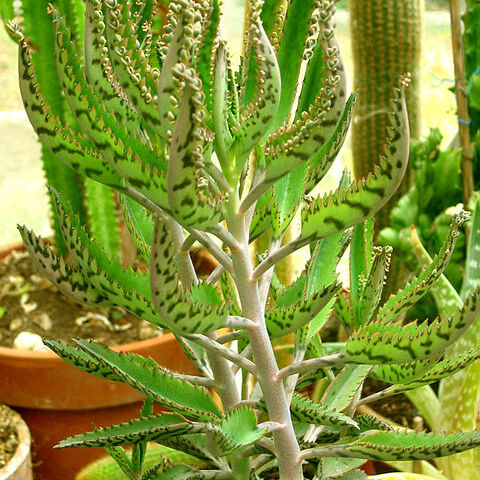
x: 471, y: 44
x: 166, y: 122
x: 386, y: 42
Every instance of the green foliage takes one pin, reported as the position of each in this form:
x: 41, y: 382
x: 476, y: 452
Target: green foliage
x: 66, y: 157
x: 202, y: 154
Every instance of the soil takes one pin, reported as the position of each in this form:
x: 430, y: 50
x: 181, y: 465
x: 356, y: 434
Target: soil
x: 29, y: 303
x: 398, y: 408
x: 8, y: 435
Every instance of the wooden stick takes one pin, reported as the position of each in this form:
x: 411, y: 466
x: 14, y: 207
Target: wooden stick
x: 462, y: 103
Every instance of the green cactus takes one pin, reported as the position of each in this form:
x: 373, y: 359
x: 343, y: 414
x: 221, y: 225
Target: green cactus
x: 386, y: 42
x: 471, y: 45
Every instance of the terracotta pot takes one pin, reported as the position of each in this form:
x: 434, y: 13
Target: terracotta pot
x: 57, y: 400
x: 20, y: 466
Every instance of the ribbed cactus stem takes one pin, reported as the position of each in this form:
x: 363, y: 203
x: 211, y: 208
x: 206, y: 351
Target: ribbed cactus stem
x: 386, y: 42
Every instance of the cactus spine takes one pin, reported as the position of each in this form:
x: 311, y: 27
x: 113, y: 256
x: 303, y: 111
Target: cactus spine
x: 386, y: 43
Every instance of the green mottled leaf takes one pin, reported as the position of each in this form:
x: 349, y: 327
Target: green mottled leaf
x: 258, y: 115
x: 281, y: 321
x: 123, y: 287
x: 370, y: 422
x: 192, y: 198
x: 135, y: 75
x: 304, y: 410
x: 197, y: 311
x: 407, y: 445
x: 346, y: 385
x: 82, y: 360
x: 139, y: 223
x: 122, y: 460
x: 238, y: 430
x: 177, y: 44
x: 415, y: 289
x: 98, y: 65
x: 101, y: 216
x: 361, y: 253
x: 156, y: 383
x: 66, y: 277
x: 73, y: 151
x: 372, y: 286
x: 150, y: 428
x: 404, y: 372
x: 335, y: 468
x: 343, y: 311
x: 290, y: 53
x: 210, y: 24
x: 219, y: 105
x: 380, y: 342
x: 442, y: 369
x: 320, y: 163
x: 348, y: 207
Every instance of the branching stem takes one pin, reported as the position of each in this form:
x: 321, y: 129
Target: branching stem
x: 223, y: 351
x: 278, y: 255
x: 313, y: 364
x: 267, y: 373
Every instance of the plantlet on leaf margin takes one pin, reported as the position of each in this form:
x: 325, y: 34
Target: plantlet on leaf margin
x: 194, y: 129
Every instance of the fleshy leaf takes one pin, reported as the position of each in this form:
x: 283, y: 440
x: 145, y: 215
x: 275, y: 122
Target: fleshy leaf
x: 380, y: 342
x: 71, y: 149
x: 139, y: 224
x: 284, y: 320
x: 98, y: 65
x: 344, y: 388
x: 102, y: 216
x: 180, y: 310
x: 238, y: 430
x: 372, y: 287
x: 83, y: 360
x: 443, y: 369
x: 348, y: 207
x: 135, y: 75
x: 407, y: 445
x: 257, y: 116
x: 192, y: 198
x: 123, y: 287
x: 321, y: 163
x: 66, y: 277
x: 145, y: 429
x: 156, y: 383
x: 304, y: 410
x: 415, y: 289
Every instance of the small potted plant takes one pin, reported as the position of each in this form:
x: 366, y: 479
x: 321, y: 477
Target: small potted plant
x: 15, y: 442
x: 222, y: 158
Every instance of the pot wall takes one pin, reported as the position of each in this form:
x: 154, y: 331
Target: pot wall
x: 20, y: 466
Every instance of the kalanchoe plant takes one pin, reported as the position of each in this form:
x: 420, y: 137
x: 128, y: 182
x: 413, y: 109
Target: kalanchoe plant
x: 202, y: 151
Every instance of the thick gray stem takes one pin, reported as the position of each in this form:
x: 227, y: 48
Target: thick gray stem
x: 222, y: 373
x: 288, y: 451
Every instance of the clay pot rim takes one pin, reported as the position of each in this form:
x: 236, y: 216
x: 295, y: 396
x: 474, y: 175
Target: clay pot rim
x: 22, y: 453
x: 48, y: 356
x: 136, y: 347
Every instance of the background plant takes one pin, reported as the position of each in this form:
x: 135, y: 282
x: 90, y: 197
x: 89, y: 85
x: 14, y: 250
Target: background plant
x: 169, y: 124
x: 387, y: 42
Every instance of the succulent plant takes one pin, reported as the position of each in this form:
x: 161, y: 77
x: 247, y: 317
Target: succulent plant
x: 388, y: 42
x: 96, y: 204
x: 202, y: 153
